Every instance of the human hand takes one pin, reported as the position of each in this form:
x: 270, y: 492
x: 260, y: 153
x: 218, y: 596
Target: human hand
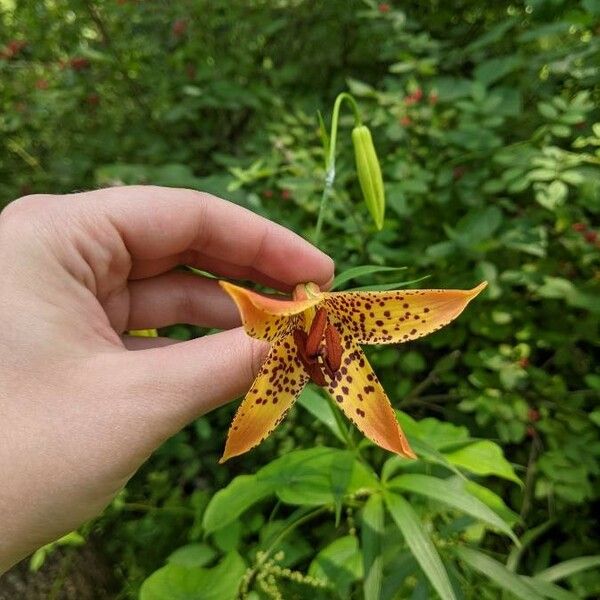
x: 80, y: 411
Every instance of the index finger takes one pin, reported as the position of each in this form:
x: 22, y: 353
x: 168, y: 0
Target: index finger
x: 157, y: 222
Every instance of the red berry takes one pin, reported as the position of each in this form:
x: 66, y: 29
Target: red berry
x: 92, y: 99
x: 179, y: 27
x: 591, y: 237
x: 79, y: 63
x: 268, y: 194
x: 383, y: 8
x: 524, y: 362
x: 286, y: 194
x: 418, y: 94
x: 531, y: 431
x: 533, y: 414
x: 458, y: 172
x: 41, y: 84
x: 405, y: 121
x: 190, y: 71
x: 13, y: 48
x: 579, y: 227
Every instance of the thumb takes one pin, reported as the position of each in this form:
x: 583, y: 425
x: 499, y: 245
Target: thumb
x: 176, y: 384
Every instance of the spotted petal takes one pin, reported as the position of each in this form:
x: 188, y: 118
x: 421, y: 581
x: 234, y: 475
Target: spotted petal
x: 397, y: 316
x: 357, y: 391
x: 276, y: 387
x: 264, y: 317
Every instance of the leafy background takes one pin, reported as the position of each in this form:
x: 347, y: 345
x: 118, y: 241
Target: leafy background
x: 485, y: 117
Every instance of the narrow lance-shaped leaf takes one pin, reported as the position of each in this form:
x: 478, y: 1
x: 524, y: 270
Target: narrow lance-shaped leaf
x: 451, y: 495
x: 569, y: 567
x: 498, y: 573
x: 420, y: 544
x: 372, y: 539
x: 361, y: 271
x: 549, y: 590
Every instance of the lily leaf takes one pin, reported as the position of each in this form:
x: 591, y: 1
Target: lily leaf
x: 319, y: 407
x: 420, y: 544
x: 498, y: 573
x: 387, y: 286
x: 455, y: 496
x: 549, y: 590
x: 354, y: 272
x: 568, y: 568
x: 372, y: 539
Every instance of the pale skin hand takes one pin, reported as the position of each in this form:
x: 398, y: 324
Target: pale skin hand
x: 79, y: 410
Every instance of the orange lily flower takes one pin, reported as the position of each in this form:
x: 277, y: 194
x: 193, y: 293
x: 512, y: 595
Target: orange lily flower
x: 316, y: 336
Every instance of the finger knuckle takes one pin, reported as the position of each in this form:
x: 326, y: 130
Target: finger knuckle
x: 22, y: 214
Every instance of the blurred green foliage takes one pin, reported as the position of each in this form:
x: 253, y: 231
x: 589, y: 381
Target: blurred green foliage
x: 485, y: 118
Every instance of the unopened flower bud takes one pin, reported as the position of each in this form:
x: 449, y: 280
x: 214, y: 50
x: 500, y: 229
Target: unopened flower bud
x: 369, y: 173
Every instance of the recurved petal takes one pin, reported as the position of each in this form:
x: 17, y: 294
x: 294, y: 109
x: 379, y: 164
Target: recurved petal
x: 276, y: 387
x: 263, y: 317
x: 397, y: 316
x: 357, y: 391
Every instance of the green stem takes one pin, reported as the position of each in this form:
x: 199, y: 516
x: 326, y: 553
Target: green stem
x: 330, y: 159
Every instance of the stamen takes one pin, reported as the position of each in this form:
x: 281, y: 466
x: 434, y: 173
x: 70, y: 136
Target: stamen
x: 315, y: 334
x: 333, y: 348
x: 323, y: 340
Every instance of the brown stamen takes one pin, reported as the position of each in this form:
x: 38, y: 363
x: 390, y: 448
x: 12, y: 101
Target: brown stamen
x: 315, y: 334
x: 333, y: 348
x: 322, y: 341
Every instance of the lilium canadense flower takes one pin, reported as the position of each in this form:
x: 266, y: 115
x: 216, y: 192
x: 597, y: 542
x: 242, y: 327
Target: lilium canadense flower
x: 316, y: 336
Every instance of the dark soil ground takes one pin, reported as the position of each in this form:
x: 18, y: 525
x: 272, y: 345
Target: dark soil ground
x: 67, y: 574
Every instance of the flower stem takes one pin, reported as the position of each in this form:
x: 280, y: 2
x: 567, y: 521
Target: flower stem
x: 330, y: 158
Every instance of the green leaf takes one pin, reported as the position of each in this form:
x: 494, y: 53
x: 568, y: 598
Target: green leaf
x: 483, y: 458
x: 498, y: 573
x: 354, y: 272
x: 493, y: 501
x: 321, y: 408
x: 324, y: 135
x: 493, y: 69
x: 568, y: 568
x: 547, y: 110
x: 340, y: 478
x: 452, y: 494
x: 230, y: 502
x: 420, y: 544
x: 526, y: 540
x: 382, y: 287
x: 303, y: 477
x: 372, y: 538
x: 339, y: 563
x: 176, y: 582
x: 192, y: 555
x: 549, y: 590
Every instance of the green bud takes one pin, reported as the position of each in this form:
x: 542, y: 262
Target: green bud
x: 369, y: 173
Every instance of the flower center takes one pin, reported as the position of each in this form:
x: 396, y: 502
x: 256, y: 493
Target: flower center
x: 319, y: 350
